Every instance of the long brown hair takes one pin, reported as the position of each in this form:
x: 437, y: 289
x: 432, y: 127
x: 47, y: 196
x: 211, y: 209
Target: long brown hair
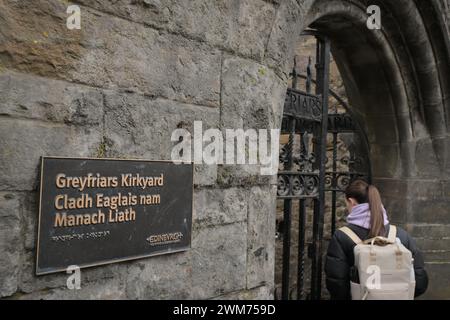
x: 362, y: 192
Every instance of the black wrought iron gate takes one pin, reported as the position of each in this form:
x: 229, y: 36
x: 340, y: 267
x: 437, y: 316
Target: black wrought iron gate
x: 306, y: 174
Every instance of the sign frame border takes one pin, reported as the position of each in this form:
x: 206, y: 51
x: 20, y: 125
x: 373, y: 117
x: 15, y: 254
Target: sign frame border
x: 105, y: 262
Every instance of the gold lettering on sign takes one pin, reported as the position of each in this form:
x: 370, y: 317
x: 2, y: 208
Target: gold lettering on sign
x: 89, y: 181
x: 65, y: 220
x: 111, y: 204
x: 150, y: 199
x: 116, y: 201
x: 64, y: 202
x: 72, y: 220
x: 122, y: 216
x: 129, y: 180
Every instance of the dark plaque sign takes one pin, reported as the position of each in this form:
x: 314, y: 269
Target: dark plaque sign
x: 98, y: 211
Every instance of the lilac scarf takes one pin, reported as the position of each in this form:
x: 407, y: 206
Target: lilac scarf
x: 360, y: 216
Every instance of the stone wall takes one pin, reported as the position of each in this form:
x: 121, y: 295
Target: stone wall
x: 138, y: 69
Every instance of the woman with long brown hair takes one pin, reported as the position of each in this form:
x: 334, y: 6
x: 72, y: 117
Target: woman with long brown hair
x: 367, y: 219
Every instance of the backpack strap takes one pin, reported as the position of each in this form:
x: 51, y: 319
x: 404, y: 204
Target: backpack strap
x: 352, y: 235
x: 392, y: 233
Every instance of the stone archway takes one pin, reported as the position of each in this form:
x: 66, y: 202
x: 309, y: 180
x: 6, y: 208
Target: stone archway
x: 397, y: 80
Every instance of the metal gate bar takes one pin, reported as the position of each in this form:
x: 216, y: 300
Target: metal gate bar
x: 287, y: 215
x: 323, y: 68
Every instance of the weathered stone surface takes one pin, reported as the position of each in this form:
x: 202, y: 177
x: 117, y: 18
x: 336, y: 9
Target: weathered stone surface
x: 431, y: 211
x: 30, y: 283
x: 27, y: 141
x: 436, y: 255
x: 28, y: 98
x: 259, y: 293
x: 391, y: 187
x: 407, y: 161
x: 241, y: 174
x: 110, y: 289
x: 397, y: 209
x: 383, y: 129
x: 442, y: 150
x: 439, y: 279
x: 220, y: 206
x: 36, y: 40
x: 218, y: 260
x: 163, y: 277
x: 205, y: 174
x: 446, y: 189
x: 261, y: 236
x: 137, y: 126
x: 376, y: 101
x: 385, y: 160
x: 260, y: 109
x: 252, y: 95
x: 420, y: 189
x: 435, y: 116
x: 10, y: 242
x: 435, y: 243
x: 30, y: 213
x: 426, y: 162
x: 109, y: 52
x: 286, y: 30
x: 157, y: 63
x: 243, y: 26
x: 32, y: 97
x: 429, y: 230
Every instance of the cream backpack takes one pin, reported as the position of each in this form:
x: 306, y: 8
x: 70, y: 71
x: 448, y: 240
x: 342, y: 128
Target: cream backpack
x: 385, y: 268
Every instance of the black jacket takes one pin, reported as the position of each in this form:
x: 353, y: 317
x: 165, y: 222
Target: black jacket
x: 340, y: 258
